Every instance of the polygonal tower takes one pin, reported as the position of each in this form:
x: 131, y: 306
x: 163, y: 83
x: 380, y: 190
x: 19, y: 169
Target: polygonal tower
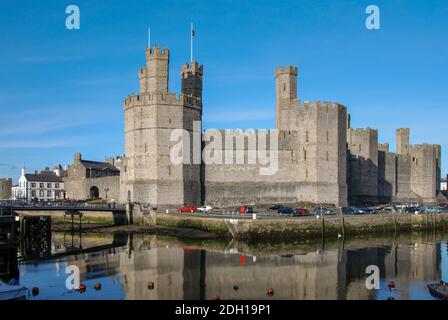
x: 149, y: 175
x: 286, y: 101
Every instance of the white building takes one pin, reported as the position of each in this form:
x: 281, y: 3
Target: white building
x: 444, y: 185
x: 43, y: 186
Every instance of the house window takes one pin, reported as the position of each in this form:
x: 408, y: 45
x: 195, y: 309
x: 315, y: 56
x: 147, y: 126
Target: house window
x: 49, y: 185
x: 33, y: 194
x: 49, y: 193
x: 56, y: 185
x: 33, y: 185
x: 41, y: 193
x: 41, y: 185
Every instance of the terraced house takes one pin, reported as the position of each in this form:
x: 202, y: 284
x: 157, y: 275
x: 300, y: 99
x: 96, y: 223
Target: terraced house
x: 45, y: 185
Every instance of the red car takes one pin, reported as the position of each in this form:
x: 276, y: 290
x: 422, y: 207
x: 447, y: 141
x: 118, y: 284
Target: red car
x: 302, y: 212
x: 188, y: 209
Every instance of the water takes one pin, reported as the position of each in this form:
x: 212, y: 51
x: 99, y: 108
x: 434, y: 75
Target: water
x: 126, y: 264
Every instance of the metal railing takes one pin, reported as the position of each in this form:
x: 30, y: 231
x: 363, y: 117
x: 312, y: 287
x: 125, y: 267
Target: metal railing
x: 63, y: 205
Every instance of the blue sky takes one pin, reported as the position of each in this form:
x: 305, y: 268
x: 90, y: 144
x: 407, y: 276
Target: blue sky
x: 62, y: 91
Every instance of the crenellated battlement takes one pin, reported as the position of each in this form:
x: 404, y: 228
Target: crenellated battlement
x: 384, y: 147
x: 193, y: 67
x: 287, y: 70
x: 157, y: 53
x: 307, y: 105
x: 366, y: 131
x: 152, y: 98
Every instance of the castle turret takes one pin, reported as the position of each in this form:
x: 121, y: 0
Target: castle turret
x: 192, y: 79
x: 149, y: 173
x: 286, y: 102
x: 154, y: 75
x: 403, y: 141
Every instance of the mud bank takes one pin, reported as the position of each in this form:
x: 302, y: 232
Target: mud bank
x: 299, y: 228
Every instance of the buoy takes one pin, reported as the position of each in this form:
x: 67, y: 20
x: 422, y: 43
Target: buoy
x: 97, y: 286
x: 391, y: 285
x: 270, y: 292
x: 151, y: 285
x: 82, y: 288
x: 35, y: 291
x: 235, y: 288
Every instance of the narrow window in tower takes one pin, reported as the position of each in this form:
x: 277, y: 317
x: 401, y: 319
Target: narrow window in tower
x: 306, y: 174
x: 284, y: 87
x: 328, y: 138
x: 359, y: 147
x: 304, y: 155
x: 169, y: 170
x: 306, y: 136
x: 327, y: 155
x: 169, y: 120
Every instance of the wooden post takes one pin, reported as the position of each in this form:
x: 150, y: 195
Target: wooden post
x: 342, y: 222
x: 395, y: 221
x: 323, y: 225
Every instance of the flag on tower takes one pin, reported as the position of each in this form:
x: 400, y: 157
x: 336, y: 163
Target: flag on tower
x: 191, y: 42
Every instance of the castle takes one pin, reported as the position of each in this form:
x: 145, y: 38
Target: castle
x: 321, y: 159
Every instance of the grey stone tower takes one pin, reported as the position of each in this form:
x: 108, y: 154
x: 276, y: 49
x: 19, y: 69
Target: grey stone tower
x: 286, y: 92
x: 148, y: 173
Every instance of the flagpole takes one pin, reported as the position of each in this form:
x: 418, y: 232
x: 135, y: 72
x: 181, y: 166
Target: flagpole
x: 191, y: 43
x: 149, y: 38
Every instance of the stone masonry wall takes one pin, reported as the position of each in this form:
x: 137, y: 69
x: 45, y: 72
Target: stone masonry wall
x: 5, y: 189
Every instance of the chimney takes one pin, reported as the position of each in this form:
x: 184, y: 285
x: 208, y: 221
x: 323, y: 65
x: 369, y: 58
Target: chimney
x: 77, y: 157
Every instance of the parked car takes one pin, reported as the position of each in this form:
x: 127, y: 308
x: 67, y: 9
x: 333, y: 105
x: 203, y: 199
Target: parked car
x: 389, y: 209
x: 369, y: 210
x: 189, y: 209
x: 205, y: 209
x: 348, y: 210
x: 302, y: 212
x: 414, y: 210
x: 432, y: 210
x: 275, y: 207
x: 244, y: 209
x: 326, y: 211
x: 286, y: 210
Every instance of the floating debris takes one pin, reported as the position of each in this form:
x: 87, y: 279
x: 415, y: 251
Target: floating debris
x: 35, y: 291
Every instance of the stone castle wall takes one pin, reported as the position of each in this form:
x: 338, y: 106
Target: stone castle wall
x: 309, y: 165
x: 363, y: 165
x: 321, y: 159
x: 5, y: 189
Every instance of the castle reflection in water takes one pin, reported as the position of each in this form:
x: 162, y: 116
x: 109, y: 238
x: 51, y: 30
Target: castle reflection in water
x: 202, y: 271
